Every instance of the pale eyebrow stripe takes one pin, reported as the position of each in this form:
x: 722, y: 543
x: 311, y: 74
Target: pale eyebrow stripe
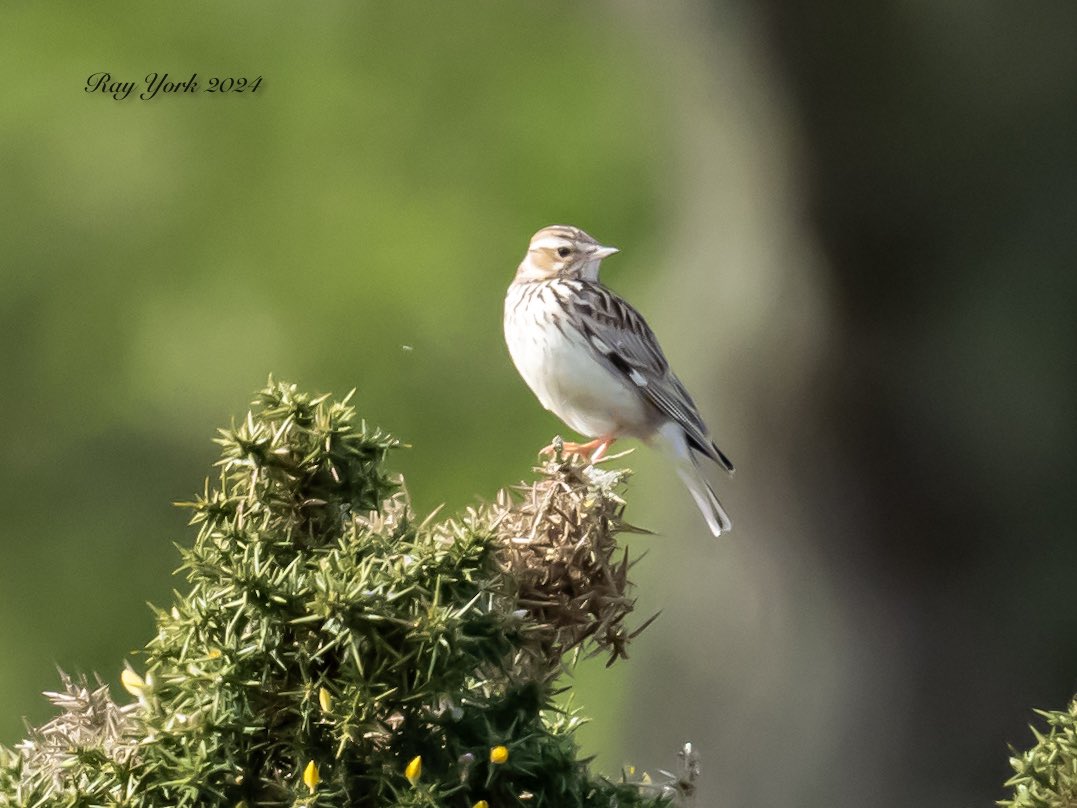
x: 549, y: 242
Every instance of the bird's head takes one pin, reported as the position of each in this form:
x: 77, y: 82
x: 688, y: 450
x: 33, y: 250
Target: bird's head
x: 560, y: 251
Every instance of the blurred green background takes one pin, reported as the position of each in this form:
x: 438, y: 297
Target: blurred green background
x: 852, y: 227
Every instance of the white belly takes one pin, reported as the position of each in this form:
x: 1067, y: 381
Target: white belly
x: 563, y: 371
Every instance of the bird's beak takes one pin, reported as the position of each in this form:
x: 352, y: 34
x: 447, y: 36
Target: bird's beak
x: 604, y: 252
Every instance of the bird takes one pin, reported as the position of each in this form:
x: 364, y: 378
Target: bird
x: 592, y: 360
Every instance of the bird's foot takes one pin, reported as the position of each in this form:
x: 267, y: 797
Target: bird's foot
x: 594, y: 450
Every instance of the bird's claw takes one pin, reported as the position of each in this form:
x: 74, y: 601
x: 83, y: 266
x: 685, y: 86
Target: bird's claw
x: 593, y: 450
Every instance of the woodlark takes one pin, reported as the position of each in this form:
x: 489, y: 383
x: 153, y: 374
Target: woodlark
x: 594, y: 362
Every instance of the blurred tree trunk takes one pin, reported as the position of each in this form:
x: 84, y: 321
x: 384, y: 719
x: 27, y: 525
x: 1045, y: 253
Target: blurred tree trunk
x: 942, y: 186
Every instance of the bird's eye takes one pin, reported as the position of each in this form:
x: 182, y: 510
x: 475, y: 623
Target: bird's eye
x: 564, y: 252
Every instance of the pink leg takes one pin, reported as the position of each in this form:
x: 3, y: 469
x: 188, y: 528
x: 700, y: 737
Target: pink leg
x: 603, y: 446
x: 596, y: 448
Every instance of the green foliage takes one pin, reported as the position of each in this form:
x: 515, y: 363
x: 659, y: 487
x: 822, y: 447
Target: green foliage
x: 333, y: 651
x: 1045, y: 776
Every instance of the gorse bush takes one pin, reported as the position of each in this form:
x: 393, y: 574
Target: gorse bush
x: 331, y: 650
x: 1045, y: 776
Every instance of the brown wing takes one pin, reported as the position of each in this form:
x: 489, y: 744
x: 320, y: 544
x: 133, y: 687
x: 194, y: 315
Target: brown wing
x: 619, y: 335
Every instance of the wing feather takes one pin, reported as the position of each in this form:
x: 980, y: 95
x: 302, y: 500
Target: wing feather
x: 619, y: 335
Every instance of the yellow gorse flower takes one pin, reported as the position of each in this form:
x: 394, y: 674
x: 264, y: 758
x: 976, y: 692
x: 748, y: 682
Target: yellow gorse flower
x: 132, y: 682
x: 325, y: 700
x: 311, y: 777
x: 414, y: 769
x: 499, y: 755
x: 481, y: 804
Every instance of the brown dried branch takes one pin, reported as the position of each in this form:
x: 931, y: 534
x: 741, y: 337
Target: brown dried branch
x: 558, y: 547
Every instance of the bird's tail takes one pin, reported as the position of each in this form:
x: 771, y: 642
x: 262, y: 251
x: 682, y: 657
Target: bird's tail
x: 685, y: 462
